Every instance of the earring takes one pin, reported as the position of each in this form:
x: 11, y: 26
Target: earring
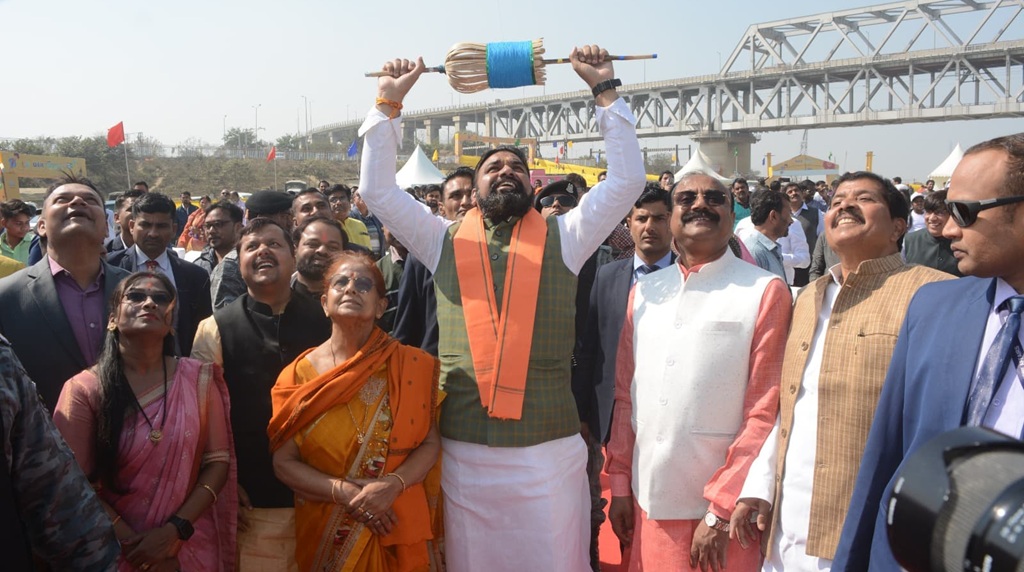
x: 111, y: 327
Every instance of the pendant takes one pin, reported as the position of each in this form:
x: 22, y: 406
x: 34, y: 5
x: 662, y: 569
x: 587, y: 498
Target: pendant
x: 359, y: 437
x: 156, y: 435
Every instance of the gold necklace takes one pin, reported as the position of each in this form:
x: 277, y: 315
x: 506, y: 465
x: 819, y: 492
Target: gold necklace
x: 360, y: 434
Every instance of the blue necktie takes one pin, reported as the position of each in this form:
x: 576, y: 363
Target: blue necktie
x: 646, y: 269
x: 998, y: 358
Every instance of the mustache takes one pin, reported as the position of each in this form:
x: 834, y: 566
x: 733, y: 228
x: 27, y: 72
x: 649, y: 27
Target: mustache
x: 851, y: 211
x: 701, y: 214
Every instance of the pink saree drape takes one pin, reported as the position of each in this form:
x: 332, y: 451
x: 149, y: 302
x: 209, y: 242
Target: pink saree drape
x: 159, y: 477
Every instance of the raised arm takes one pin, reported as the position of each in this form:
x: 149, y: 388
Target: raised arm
x: 585, y: 227
x: 415, y: 227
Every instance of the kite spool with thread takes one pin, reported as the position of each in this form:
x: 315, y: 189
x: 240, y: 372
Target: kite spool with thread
x: 473, y: 67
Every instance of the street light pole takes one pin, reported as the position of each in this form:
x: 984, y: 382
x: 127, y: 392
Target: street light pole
x: 256, y: 127
x: 305, y: 114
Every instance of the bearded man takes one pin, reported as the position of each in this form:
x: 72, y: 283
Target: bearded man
x: 513, y: 459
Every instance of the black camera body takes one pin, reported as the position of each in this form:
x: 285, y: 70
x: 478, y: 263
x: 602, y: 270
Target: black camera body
x: 957, y: 504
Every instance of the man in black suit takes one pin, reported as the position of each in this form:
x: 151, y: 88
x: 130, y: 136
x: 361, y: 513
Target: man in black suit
x: 122, y: 239
x: 55, y: 311
x: 593, y: 378
x: 183, y: 212
x: 152, y: 227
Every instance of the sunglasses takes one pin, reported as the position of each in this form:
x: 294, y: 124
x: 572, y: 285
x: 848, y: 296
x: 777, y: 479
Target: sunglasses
x: 139, y: 297
x: 711, y: 198
x: 964, y: 213
x: 362, y: 284
x: 562, y: 200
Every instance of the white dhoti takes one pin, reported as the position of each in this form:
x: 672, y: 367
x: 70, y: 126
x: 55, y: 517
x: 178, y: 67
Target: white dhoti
x: 516, y: 508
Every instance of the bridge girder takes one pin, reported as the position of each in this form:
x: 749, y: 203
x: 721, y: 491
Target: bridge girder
x: 789, y: 75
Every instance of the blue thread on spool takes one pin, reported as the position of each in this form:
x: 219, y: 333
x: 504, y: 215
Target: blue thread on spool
x: 510, y: 64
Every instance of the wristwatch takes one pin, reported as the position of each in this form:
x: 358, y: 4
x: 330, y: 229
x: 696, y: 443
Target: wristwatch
x: 185, y: 530
x: 605, y: 86
x: 712, y: 520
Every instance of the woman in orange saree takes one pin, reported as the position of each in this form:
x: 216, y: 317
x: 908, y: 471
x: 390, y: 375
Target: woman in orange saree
x: 193, y: 236
x: 354, y: 435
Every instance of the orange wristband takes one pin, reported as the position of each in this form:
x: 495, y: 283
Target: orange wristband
x: 395, y: 106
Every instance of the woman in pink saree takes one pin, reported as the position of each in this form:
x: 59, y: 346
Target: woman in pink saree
x: 152, y: 432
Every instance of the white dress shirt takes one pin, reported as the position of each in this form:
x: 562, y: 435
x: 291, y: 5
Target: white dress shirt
x: 163, y: 263
x: 789, y: 551
x: 581, y: 230
x: 1006, y: 411
x: 794, y: 248
x: 916, y: 222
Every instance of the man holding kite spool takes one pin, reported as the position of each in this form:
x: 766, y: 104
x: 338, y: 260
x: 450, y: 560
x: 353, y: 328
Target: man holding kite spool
x: 514, y: 465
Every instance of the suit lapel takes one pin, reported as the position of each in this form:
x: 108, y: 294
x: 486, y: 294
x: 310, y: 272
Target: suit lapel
x: 970, y: 319
x: 48, y: 306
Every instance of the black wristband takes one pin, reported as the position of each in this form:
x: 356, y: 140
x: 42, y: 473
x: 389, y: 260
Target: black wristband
x: 605, y: 86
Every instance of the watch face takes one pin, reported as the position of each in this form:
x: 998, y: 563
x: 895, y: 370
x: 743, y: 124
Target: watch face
x: 710, y: 519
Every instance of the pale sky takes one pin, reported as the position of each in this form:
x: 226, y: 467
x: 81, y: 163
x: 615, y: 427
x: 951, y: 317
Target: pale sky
x: 174, y: 70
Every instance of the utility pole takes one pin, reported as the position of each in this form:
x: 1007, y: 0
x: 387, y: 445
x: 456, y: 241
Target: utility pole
x: 256, y: 128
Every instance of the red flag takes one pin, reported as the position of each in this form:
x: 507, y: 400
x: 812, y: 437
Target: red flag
x: 115, y: 135
x: 273, y: 154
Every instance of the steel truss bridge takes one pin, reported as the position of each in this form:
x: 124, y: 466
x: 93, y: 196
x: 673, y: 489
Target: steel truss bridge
x: 911, y: 61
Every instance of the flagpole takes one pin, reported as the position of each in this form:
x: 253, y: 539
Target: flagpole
x: 275, y: 172
x: 126, y: 170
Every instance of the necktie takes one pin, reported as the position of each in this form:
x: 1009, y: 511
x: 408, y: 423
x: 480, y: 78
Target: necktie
x: 998, y: 358
x: 152, y: 266
x: 646, y: 269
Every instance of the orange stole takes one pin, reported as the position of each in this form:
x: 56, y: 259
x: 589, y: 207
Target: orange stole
x: 500, y: 342
x: 296, y: 406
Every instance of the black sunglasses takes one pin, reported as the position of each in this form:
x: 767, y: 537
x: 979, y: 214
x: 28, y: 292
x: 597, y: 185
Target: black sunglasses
x: 964, y: 213
x: 362, y: 284
x: 562, y: 200
x: 139, y: 297
x: 711, y: 198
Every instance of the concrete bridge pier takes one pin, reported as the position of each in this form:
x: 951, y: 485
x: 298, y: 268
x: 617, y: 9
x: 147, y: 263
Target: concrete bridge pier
x: 729, y: 153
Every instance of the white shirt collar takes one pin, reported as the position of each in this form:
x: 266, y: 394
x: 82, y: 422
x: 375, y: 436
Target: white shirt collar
x: 140, y: 260
x: 661, y: 263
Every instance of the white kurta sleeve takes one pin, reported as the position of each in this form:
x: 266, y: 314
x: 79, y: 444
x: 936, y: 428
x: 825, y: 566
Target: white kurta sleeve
x: 585, y: 227
x: 419, y: 230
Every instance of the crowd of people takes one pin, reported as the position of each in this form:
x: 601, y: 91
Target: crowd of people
x: 376, y: 378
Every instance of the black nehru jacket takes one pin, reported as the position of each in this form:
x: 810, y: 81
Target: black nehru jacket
x: 257, y: 345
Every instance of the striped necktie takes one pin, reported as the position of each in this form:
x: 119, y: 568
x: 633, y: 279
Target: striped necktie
x: 646, y: 269
x: 997, y: 360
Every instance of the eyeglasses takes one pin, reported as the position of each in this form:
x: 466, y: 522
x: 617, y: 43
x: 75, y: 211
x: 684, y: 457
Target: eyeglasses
x: 215, y: 224
x: 339, y: 199
x: 362, y: 284
x: 139, y: 297
x: 562, y: 200
x: 964, y: 213
x: 711, y: 198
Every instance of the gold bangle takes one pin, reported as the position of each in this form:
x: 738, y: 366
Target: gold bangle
x: 399, y: 477
x: 334, y: 482
x: 210, y: 490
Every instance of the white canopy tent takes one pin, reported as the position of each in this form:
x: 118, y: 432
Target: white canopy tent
x: 418, y: 170
x: 944, y: 171
x: 699, y: 162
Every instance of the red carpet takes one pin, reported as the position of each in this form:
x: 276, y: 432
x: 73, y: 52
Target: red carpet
x: 611, y: 557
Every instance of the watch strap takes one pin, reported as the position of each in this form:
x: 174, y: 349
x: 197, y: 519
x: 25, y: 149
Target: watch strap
x: 183, y: 526
x: 605, y: 86
x: 720, y: 524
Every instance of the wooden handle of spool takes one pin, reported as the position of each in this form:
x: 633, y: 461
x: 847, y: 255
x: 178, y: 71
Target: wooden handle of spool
x: 613, y: 58
x: 435, y: 69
